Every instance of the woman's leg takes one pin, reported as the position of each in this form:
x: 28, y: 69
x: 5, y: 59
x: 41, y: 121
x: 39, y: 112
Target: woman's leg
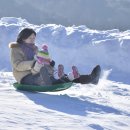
x: 83, y: 79
x: 45, y: 75
x: 41, y: 78
x: 31, y: 79
x: 92, y: 78
x: 95, y: 74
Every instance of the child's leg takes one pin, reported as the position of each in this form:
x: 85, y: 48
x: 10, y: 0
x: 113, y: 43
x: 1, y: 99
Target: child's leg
x: 75, y: 72
x: 47, y: 75
x: 60, y: 71
x: 61, y: 74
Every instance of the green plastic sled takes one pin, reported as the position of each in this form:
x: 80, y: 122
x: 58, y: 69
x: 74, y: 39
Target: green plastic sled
x: 47, y: 88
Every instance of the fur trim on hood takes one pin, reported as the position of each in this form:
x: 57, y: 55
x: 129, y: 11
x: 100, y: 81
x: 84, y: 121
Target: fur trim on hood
x: 13, y: 44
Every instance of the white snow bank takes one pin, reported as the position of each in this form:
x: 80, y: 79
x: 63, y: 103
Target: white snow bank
x: 74, y: 45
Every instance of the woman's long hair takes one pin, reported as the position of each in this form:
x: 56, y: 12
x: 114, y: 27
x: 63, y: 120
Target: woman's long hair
x: 24, y: 34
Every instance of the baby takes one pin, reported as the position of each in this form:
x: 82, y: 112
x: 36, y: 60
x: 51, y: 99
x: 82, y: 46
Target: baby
x: 42, y: 58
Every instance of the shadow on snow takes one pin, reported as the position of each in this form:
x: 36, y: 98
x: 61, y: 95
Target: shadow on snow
x: 69, y: 105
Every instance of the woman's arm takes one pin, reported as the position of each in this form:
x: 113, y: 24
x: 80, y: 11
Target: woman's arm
x: 18, y: 62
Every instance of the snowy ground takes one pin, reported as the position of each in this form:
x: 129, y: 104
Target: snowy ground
x: 82, y: 107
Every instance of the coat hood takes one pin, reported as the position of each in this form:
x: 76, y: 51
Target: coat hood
x: 13, y: 45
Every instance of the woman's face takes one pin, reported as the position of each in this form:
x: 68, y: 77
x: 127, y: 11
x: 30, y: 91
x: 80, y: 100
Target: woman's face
x: 30, y: 39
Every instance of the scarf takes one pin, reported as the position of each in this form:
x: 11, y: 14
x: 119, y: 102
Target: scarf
x: 29, y: 50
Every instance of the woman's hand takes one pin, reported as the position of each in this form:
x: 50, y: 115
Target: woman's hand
x: 52, y: 63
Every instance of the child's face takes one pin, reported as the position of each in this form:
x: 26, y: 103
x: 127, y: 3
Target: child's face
x: 30, y: 39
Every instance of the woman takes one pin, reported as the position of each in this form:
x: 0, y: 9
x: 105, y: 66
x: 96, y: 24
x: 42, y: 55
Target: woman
x: 24, y: 64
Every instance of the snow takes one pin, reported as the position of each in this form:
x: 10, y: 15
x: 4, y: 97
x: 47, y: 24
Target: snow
x: 80, y: 45
x: 86, y: 107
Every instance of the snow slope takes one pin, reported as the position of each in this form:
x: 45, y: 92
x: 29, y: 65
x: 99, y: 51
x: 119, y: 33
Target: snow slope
x: 105, y: 106
x: 85, y: 107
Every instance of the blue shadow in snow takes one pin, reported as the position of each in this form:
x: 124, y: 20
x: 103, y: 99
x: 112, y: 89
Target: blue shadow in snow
x: 96, y: 127
x: 69, y: 105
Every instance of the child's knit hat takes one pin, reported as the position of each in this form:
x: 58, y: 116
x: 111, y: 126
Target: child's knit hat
x: 43, y: 55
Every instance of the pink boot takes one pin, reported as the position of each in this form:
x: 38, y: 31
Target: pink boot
x: 60, y: 70
x: 75, y: 72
